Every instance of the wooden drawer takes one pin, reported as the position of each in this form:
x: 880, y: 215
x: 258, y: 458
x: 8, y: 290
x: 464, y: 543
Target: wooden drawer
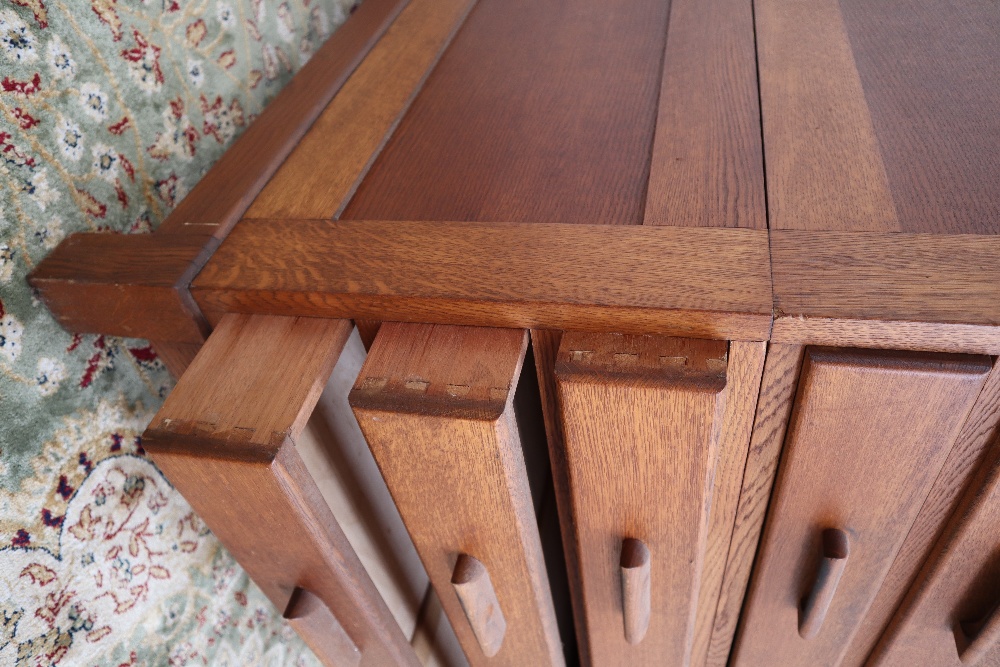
x: 436, y: 404
x: 651, y: 425
x: 951, y: 616
x: 868, y: 435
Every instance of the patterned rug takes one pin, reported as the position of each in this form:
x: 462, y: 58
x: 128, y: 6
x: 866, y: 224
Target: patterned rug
x: 110, y: 111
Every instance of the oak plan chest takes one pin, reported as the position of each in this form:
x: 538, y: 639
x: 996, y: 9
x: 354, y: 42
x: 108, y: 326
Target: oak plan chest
x: 600, y: 332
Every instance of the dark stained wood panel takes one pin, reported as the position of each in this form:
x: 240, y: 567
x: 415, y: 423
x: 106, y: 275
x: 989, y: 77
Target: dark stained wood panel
x: 538, y: 112
x: 930, y: 70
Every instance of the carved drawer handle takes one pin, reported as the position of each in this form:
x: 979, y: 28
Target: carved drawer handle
x: 316, y: 624
x: 635, y: 589
x: 475, y: 591
x: 974, y: 640
x: 836, y: 548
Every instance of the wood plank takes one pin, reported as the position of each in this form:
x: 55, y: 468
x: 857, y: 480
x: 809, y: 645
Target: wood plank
x: 435, y: 404
x: 931, y: 81
x: 707, y: 167
x: 956, y: 594
x: 743, y: 378
x: 538, y: 112
x: 223, y: 195
x: 824, y: 168
x: 322, y: 172
x: 132, y: 285
x: 641, y: 279
x: 902, y: 291
x: 225, y: 437
x: 964, y: 460
x: 777, y: 393
x: 869, y: 434
x: 641, y: 418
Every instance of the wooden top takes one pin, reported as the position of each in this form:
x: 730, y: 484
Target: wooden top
x: 881, y: 116
x: 538, y: 112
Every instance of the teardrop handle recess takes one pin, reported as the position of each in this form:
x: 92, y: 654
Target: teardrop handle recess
x: 635, y: 589
x: 836, y: 548
x: 475, y: 591
x: 979, y: 638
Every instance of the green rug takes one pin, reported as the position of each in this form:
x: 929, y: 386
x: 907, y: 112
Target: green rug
x: 109, y: 113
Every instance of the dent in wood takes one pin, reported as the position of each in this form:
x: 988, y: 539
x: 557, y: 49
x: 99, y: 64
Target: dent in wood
x: 635, y: 589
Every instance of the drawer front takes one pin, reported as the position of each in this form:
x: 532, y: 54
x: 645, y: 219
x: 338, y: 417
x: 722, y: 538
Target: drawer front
x: 869, y: 432
x: 951, y: 616
x: 641, y: 418
x: 436, y: 404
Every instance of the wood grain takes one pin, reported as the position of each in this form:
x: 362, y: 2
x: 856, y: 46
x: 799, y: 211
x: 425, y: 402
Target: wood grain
x: 641, y: 418
x: 964, y: 460
x: 435, y: 404
x: 225, y: 437
x: 933, y: 87
x: 538, y: 112
x: 223, y: 195
x: 695, y: 282
x: 322, y: 172
x: 869, y: 434
x: 743, y: 378
x: 952, y: 601
x: 707, y: 167
x: 824, y: 168
x: 902, y: 291
x: 132, y: 285
x: 777, y: 394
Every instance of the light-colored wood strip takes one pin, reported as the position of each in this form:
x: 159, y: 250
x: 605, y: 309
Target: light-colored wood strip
x: 965, y: 459
x: 707, y: 168
x: 870, y: 431
x: 323, y: 171
x: 436, y: 406
x: 902, y: 291
x: 743, y: 377
x: 682, y: 281
x: 225, y: 437
x: 338, y: 459
x: 824, y: 165
x: 777, y: 393
x: 222, y: 196
x: 953, y: 601
x: 641, y: 418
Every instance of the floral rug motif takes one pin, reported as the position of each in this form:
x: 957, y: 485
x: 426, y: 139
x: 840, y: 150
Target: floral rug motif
x: 110, y: 111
